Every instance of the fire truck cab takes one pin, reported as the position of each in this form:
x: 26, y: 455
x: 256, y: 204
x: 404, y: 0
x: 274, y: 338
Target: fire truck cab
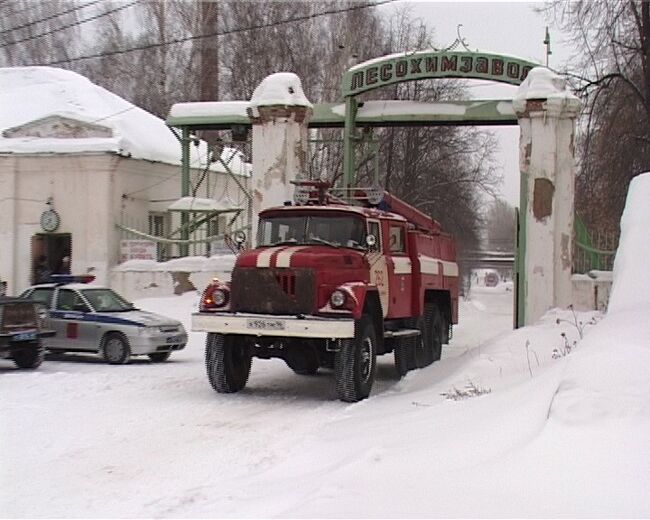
x: 332, y: 284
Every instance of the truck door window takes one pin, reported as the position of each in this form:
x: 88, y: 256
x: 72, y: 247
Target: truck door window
x: 373, y: 229
x: 396, y: 239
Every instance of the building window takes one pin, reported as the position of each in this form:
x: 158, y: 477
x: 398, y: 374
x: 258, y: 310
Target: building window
x: 158, y: 227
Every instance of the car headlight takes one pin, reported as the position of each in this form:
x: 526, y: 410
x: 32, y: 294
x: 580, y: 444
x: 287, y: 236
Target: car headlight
x: 219, y: 297
x: 337, y: 299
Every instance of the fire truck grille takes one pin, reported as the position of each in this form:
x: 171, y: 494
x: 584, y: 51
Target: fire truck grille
x: 273, y: 291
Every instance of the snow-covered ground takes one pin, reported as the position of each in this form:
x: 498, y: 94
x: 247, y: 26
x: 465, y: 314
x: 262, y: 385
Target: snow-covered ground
x: 529, y: 423
x: 564, y: 436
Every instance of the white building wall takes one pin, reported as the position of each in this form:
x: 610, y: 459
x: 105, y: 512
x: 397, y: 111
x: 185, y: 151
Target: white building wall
x: 91, y: 192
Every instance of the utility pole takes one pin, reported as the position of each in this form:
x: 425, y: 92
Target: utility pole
x: 547, y: 42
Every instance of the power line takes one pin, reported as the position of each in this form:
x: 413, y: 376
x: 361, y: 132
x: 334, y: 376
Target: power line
x: 63, y: 27
x: 218, y: 33
x: 34, y: 22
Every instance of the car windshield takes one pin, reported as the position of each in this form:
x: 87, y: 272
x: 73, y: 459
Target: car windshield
x: 105, y: 300
x: 335, y: 231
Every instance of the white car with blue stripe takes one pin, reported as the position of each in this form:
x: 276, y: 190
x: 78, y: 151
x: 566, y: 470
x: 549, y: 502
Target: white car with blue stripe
x: 92, y: 318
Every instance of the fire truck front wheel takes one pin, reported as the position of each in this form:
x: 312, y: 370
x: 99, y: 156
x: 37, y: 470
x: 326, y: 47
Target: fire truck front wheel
x: 356, y: 362
x: 227, y: 362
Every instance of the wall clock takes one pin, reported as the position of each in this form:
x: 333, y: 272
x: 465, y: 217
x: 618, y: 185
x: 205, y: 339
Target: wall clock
x: 50, y: 220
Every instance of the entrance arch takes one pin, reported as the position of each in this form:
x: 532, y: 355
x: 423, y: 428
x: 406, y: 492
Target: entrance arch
x: 544, y: 110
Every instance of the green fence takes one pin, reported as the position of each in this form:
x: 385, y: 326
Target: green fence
x: 593, y: 250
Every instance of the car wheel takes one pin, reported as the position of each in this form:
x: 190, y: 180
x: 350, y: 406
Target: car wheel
x: 227, y: 361
x: 116, y: 349
x: 159, y: 357
x: 356, y: 362
x: 31, y: 357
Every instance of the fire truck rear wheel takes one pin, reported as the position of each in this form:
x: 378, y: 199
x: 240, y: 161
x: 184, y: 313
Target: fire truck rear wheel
x: 31, y: 357
x: 356, y: 362
x: 227, y: 362
x: 435, y: 325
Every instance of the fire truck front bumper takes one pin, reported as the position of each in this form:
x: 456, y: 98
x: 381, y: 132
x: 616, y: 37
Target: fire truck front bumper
x: 272, y: 325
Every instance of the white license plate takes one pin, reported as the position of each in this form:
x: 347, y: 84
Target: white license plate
x: 261, y: 324
x: 24, y: 336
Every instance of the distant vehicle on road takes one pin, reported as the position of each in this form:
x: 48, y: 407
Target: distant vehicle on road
x: 92, y: 318
x: 491, y: 279
x: 21, y: 330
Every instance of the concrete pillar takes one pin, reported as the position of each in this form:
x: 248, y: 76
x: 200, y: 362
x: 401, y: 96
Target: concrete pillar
x: 547, y: 114
x: 8, y: 227
x: 280, y: 113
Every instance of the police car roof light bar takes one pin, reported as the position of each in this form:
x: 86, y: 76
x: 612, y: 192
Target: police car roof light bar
x: 70, y: 278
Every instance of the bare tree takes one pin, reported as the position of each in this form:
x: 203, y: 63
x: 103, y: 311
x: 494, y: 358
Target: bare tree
x: 611, y: 72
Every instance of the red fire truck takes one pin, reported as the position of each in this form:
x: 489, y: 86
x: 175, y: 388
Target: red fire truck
x: 333, y: 284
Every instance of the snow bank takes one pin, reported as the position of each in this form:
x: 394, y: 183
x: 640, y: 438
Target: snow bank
x: 186, y: 264
x: 631, y: 287
x: 281, y: 88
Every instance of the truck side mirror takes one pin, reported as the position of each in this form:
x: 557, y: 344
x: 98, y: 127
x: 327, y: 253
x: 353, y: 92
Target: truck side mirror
x: 371, y: 241
x: 240, y: 238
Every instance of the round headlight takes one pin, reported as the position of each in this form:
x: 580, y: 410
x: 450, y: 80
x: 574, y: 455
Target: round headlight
x: 337, y: 299
x: 219, y: 297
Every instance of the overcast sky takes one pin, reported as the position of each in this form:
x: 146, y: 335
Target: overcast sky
x: 501, y: 27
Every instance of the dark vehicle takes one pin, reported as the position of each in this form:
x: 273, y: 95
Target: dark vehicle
x: 21, y: 331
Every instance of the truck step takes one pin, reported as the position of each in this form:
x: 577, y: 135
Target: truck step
x: 402, y: 333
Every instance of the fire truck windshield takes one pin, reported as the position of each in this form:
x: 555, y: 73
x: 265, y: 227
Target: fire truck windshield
x: 335, y: 231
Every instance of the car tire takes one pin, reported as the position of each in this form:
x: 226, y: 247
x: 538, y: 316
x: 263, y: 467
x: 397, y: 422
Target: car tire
x: 31, y: 357
x: 160, y: 357
x: 356, y: 362
x: 227, y: 362
x: 116, y: 349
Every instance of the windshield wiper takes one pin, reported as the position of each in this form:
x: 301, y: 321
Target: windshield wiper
x: 323, y: 241
x: 291, y: 241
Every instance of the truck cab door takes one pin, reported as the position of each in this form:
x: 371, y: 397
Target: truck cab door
x: 400, y: 277
x: 378, y: 266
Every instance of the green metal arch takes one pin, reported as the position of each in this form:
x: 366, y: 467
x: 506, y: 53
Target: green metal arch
x: 418, y: 65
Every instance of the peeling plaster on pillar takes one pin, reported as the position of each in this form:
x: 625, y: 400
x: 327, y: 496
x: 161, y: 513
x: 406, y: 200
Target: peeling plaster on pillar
x: 280, y: 114
x: 547, y: 114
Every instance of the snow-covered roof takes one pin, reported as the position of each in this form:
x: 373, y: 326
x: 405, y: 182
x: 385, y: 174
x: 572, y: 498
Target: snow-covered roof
x: 199, y: 204
x: 30, y: 96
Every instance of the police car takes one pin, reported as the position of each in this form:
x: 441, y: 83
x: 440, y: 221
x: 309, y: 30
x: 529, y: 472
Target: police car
x: 92, y: 318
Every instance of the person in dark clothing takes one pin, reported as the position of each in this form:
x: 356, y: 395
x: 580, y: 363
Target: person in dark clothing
x: 42, y: 270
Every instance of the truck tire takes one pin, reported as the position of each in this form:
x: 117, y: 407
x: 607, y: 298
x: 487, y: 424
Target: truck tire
x: 116, y: 349
x: 356, y: 362
x: 424, y: 345
x: 31, y: 357
x: 160, y: 357
x: 227, y: 362
x: 305, y: 363
x: 402, y: 353
x: 435, y: 324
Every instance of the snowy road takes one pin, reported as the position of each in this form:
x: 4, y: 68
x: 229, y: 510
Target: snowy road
x: 79, y: 438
